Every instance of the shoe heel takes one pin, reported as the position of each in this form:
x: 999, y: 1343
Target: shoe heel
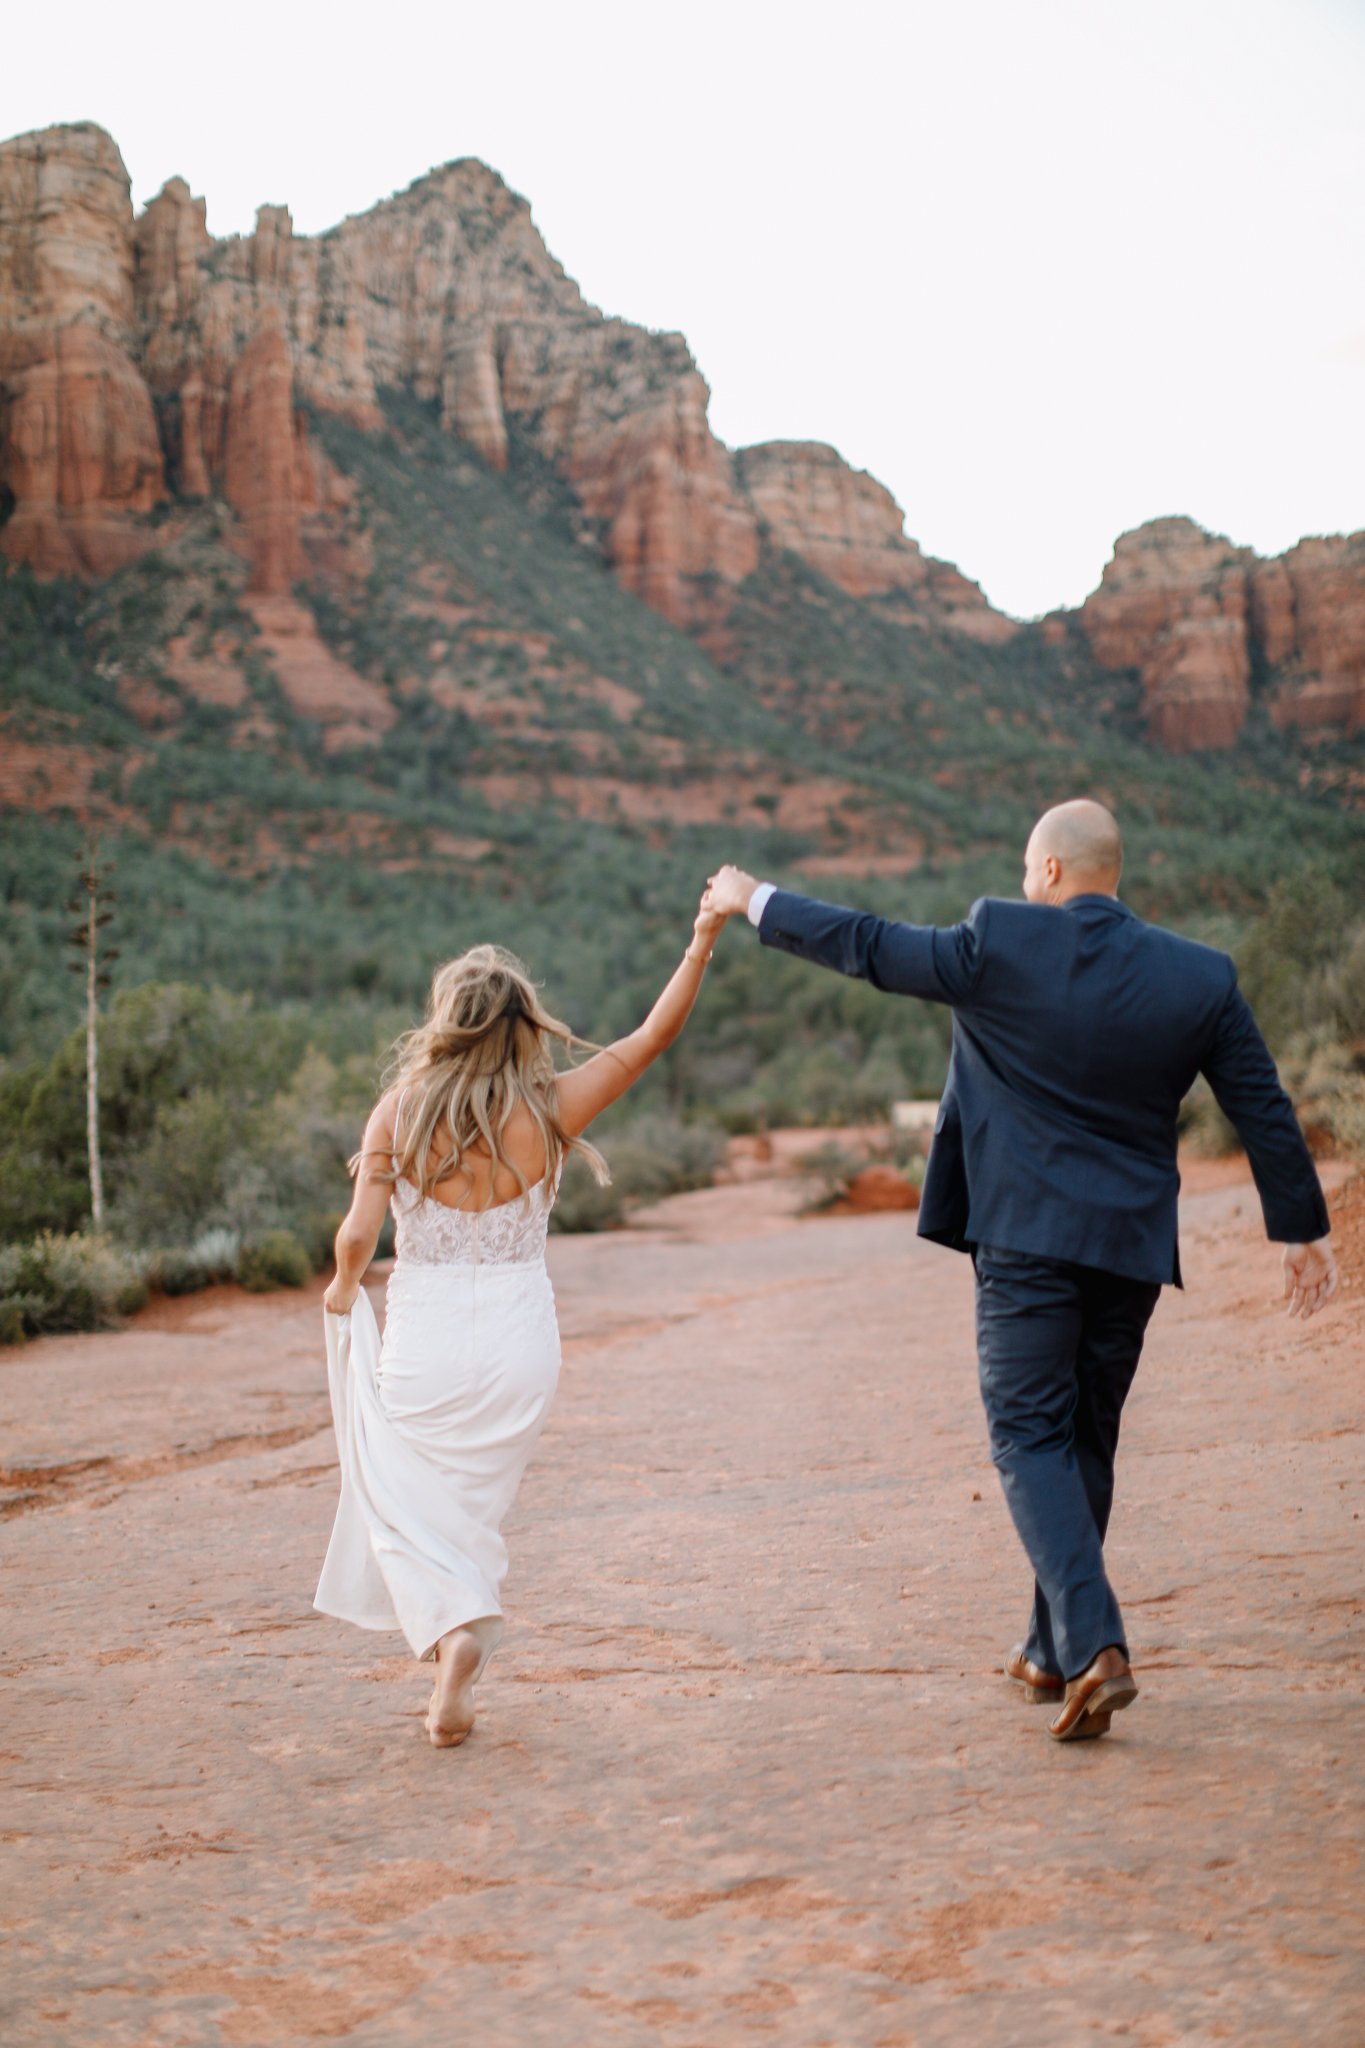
x: 1108, y: 1698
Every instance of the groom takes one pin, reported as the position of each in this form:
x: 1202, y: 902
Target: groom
x: 1077, y: 1031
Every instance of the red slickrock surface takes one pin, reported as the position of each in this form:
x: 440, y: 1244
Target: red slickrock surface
x: 745, y: 1769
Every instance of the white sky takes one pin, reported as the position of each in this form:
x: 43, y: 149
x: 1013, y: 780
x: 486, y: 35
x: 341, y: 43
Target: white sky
x: 1048, y: 268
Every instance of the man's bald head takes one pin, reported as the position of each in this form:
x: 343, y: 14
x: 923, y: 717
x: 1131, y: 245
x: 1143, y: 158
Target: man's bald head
x: 1075, y: 849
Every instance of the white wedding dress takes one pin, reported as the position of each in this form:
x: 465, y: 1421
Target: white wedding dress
x: 434, y: 1426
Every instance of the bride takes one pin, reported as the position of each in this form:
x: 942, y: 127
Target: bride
x: 434, y: 1426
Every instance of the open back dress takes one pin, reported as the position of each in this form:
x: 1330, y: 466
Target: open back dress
x: 434, y: 1424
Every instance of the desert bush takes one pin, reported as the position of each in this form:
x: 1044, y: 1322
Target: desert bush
x: 276, y: 1259
x: 212, y: 1117
x: 176, y: 1272
x: 317, y: 1232
x: 831, y: 1168
x: 1327, y: 1081
x: 584, y: 1206
x: 651, y: 1156
x: 209, y: 1261
x: 1302, y: 961
x: 1202, y: 1125
x: 298, y: 1147
x: 75, y: 1282
x: 657, y: 1155
x: 171, y: 1187
x: 180, y: 1068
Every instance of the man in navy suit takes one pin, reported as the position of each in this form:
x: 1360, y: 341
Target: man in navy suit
x: 1077, y: 1032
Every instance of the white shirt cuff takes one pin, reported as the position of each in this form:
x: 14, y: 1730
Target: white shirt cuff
x: 758, y: 902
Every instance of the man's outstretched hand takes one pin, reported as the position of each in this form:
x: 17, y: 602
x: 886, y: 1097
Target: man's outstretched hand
x: 728, y: 892
x: 1310, y: 1276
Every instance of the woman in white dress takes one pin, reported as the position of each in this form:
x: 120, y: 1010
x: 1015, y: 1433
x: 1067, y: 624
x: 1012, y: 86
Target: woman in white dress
x: 435, y: 1425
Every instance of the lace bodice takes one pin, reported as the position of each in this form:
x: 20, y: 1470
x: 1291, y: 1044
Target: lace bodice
x: 429, y: 1233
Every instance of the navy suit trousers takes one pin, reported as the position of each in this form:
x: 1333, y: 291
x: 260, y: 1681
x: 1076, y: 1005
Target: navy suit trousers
x: 1058, y: 1346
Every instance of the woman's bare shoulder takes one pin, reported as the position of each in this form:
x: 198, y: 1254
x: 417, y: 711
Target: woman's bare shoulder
x: 380, y: 1127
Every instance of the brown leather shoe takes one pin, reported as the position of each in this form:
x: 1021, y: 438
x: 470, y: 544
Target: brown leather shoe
x: 1094, y: 1698
x: 1041, y: 1688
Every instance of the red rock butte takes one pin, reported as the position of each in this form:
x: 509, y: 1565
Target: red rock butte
x: 141, y: 358
x: 1198, y: 618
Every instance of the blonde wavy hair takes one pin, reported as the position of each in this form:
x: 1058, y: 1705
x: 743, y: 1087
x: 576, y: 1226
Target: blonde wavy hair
x: 483, y: 1050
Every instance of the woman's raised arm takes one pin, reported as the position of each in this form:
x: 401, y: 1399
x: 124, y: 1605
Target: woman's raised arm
x: 588, y: 1090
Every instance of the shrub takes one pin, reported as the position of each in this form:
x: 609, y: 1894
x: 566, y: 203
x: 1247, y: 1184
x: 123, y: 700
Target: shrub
x: 654, y: 1156
x: 57, y: 1283
x: 275, y: 1260
x: 318, y: 1232
x: 216, y: 1251
x: 659, y: 1155
x: 582, y: 1205
x: 832, y: 1167
x: 1295, y: 952
x: 1203, y: 1127
x: 174, y: 1182
x: 176, y: 1272
x: 212, y: 1258
x: 829, y: 1168
x: 1327, y: 1082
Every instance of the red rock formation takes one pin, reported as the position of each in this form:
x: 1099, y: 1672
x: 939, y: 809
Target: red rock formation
x: 664, y: 491
x: 879, y: 1188
x: 168, y: 242
x: 169, y: 239
x: 1198, y: 617
x: 79, y: 451
x: 352, y: 711
x: 118, y: 339
x: 265, y: 468
x: 447, y: 290
x: 1173, y: 604
x: 1309, y: 611
x: 850, y: 528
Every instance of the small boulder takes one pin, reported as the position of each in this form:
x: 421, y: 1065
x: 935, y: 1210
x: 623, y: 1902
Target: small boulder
x: 881, y: 1187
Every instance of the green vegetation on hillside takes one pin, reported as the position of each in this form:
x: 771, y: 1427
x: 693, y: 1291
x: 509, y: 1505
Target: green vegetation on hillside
x: 562, y: 771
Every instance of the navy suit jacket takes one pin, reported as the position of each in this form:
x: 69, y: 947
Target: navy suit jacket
x: 1077, y: 1031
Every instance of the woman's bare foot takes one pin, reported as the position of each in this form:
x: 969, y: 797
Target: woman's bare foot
x: 451, y: 1713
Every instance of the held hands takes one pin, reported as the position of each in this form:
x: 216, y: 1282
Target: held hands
x: 704, y: 932
x: 728, y: 893
x: 340, y: 1299
x: 1310, y: 1277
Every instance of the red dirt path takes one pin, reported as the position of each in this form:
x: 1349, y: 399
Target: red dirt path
x: 745, y: 1771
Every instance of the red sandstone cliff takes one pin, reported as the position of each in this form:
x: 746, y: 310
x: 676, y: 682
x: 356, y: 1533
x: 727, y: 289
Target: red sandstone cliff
x: 446, y: 290
x: 79, y: 449
x: 848, y: 526
x: 1199, y: 619
x: 143, y: 357
x: 131, y: 352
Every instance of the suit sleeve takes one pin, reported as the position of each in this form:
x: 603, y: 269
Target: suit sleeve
x: 939, y: 964
x: 1242, y: 1075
